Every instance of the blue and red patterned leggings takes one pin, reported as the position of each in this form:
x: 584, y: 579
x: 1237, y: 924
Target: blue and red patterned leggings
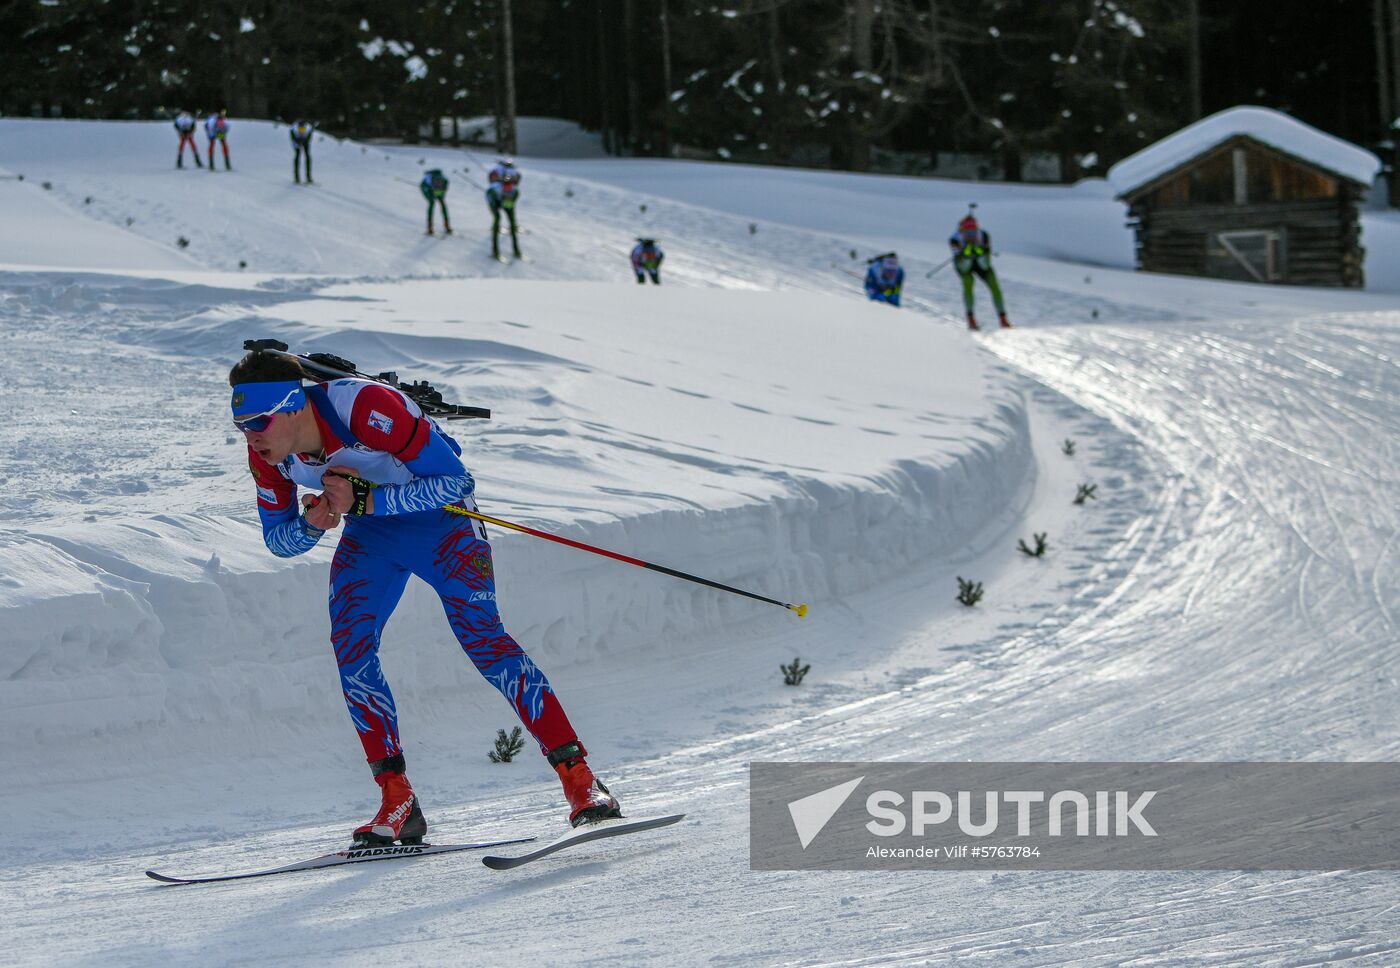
x: 370, y: 569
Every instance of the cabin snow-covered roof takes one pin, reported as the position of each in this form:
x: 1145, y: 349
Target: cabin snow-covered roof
x: 1270, y: 127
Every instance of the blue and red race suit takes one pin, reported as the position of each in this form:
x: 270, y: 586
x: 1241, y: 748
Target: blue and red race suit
x: 383, y: 437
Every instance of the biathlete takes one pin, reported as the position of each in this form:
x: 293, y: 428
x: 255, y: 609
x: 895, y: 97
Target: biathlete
x: 646, y: 261
x: 301, y: 133
x: 216, y: 130
x: 184, y: 125
x: 502, y: 192
x: 884, y: 279
x: 335, y: 437
x: 434, y: 189
x: 972, y: 256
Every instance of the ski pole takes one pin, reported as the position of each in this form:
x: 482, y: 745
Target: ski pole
x: 800, y: 609
x: 931, y: 272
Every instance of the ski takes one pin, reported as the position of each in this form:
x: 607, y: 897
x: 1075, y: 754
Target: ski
x: 582, y: 835
x: 351, y: 855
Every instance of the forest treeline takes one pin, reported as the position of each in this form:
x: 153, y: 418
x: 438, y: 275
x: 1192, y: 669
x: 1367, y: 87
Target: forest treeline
x: 846, y: 83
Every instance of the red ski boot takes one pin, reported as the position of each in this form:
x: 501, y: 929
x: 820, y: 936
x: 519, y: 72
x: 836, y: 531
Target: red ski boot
x: 1005, y: 323
x: 589, y: 800
x: 972, y: 322
x: 400, y: 817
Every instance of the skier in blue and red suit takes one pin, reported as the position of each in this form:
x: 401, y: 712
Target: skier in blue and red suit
x: 502, y: 194
x: 335, y: 437
x: 884, y: 280
x: 646, y: 261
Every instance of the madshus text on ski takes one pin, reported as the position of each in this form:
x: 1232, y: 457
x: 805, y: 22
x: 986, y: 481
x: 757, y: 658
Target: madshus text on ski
x: 970, y: 244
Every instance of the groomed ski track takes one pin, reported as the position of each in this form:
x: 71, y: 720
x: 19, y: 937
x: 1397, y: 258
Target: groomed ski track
x: 1231, y: 595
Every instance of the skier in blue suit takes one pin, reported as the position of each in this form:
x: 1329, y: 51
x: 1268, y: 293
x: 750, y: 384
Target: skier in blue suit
x: 884, y: 280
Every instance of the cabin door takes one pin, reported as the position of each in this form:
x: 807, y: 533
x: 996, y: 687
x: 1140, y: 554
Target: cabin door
x: 1255, y: 254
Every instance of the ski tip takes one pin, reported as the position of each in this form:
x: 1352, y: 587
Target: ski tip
x: 163, y: 878
x: 587, y: 832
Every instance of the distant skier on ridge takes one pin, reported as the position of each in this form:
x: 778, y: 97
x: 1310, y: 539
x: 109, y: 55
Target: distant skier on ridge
x: 972, y: 256
x: 646, y: 261
x: 301, y: 145
x: 184, y: 124
x: 216, y: 130
x: 884, y: 279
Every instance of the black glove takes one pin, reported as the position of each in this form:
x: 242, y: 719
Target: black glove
x: 361, y: 489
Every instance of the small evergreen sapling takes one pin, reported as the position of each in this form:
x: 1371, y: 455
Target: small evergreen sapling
x: 1086, y: 493
x: 506, y: 746
x: 969, y: 592
x: 1040, y: 545
x: 792, y: 674
x: 1068, y: 447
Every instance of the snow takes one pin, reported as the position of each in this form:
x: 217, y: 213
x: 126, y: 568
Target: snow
x: 38, y: 230
x: 169, y: 697
x: 1273, y: 128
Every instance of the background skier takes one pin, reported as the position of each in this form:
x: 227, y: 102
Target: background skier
x: 504, y: 170
x: 184, y: 124
x: 501, y: 195
x: 216, y: 130
x: 646, y: 261
x: 434, y: 189
x: 884, y: 279
x: 301, y: 144
x: 972, y: 256
x: 322, y: 435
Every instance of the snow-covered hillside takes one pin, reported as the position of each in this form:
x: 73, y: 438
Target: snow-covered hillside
x: 170, y: 696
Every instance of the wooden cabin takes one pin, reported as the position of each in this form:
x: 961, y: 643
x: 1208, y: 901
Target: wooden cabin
x: 1263, y: 199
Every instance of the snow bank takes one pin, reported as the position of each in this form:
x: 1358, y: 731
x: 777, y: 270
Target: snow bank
x: 797, y: 445
x: 1271, y: 127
